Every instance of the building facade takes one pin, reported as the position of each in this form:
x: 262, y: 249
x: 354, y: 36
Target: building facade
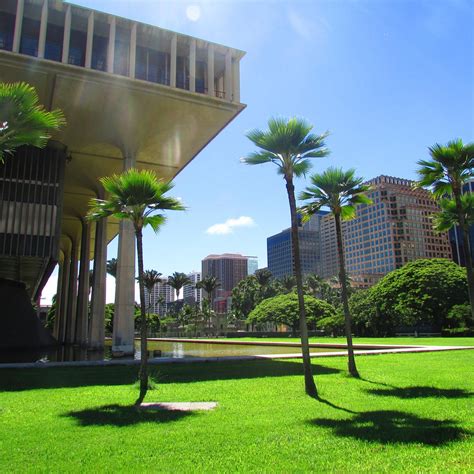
x: 161, y: 297
x: 191, y: 294
x: 395, y: 229
x: 280, y: 249
x: 252, y: 265
x: 134, y: 95
x: 229, y: 269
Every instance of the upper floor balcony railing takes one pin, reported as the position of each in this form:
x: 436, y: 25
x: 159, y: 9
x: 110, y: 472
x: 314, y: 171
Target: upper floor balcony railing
x: 67, y: 33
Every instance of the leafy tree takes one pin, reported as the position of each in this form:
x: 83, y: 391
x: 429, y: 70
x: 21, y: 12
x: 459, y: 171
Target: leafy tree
x: 23, y: 121
x: 245, y: 296
x: 138, y: 196
x: 112, y: 267
x: 284, y: 309
x: 450, y: 167
x: 459, y: 319
x: 109, y: 317
x: 289, y: 144
x: 177, y: 281
x: 421, y: 292
x: 263, y: 277
x: 51, y: 316
x: 288, y: 283
x: 316, y: 286
x: 209, y: 284
x: 340, y: 191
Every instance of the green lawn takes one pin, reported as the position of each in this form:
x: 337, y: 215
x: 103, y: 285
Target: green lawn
x: 416, y: 341
x: 409, y: 413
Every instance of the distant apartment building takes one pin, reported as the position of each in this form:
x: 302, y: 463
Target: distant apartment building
x: 162, y: 296
x: 229, y: 269
x: 456, y: 238
x: 395, y: 229
x: 191, y: 294
x: 280, y: 249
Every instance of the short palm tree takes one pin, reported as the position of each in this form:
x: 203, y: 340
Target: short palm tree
x: 209, y: 284
x: 289, y: 144
x: 177, y: 280
x: 23, y: 121
x: 112, y: 267
x: 450, y: 168
x: 138, y: 196
x: 340, y: 191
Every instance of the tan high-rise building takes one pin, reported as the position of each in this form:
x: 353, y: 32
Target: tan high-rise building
x: 395, y: 229
x: 134, y: 95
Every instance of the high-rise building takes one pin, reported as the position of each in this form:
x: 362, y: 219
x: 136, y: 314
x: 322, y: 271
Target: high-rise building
x: 134, y: 95
x: 395, y: 229
x: 280, y: 249
x: 191, y: 294
x: 252, y: 265
x: 161, y: 297
x: 229, y: 269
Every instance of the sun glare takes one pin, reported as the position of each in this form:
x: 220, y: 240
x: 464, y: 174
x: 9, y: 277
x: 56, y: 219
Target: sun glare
x: 193, y: 12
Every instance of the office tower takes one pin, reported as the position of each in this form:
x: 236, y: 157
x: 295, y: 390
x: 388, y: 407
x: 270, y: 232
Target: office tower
x: 191, y: 294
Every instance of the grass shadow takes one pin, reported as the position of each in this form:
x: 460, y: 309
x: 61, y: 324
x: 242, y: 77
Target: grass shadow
x: 421, y: 392
x: 13, y: 380
x: 390, y: 427
x: 123, y: 415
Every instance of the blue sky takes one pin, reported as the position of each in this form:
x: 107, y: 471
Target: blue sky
x: 386, y: 78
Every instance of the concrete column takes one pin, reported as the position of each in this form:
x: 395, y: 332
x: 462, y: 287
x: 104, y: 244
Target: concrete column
x: 97, y: 323
x: 173, y: 56
x: 228, y: 75
x: 43, y: 29
x: 20, y: 6
x: 111, y: 50
x: 90, y: 40
x: 67, y: 35
x: 210, y: 71
x: 123, y: 331
x: 82, y: 315
x: 64, y: 298
x: 58, y: 299
x: 192, y: 65
x: 72, y: 297
x: 133, y: 51
x: 236, y: 80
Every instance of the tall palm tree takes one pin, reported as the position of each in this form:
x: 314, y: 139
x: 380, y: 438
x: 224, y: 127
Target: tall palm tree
x: 289, y: 144
x: 150, y: 279
x: 177, y: 280
x: 340, y: 191
x: 138, y: 196
x: 112, y: 267
x: 209, y: 284
x: 288, y: 282
x: 23, y: 121
x: 450, y: 168
x: 263, y: 276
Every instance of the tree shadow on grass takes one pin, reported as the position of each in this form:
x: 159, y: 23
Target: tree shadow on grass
x: 395, y: 427
x: 421, y: 392
x: 122, y: 415
x: 15, y: 380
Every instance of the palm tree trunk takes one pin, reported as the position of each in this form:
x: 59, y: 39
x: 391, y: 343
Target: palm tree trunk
x: 310, y: 386
x: 345, y: 302
x: 466, y: 249
x: 143, y: 374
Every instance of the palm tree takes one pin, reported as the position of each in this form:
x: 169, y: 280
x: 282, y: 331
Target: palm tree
x: 23, y: 121
x: 138, y: 196
x: 341, y: 192
x: 209, y: 284
x: 150, y: 279
x: 450, y: 168
x: 288, y: 282
x: 263, y: 276
x: 289, y: 144
x: 177, y: 280
x: 112, y: 267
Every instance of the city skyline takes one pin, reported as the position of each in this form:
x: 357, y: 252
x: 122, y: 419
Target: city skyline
x: 383, y: 109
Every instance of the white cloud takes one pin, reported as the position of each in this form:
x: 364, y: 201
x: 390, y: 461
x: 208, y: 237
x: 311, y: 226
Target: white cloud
x: 229, y: 225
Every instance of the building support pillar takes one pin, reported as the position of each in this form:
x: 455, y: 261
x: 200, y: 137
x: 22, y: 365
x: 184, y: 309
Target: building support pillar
x: 111, y: 48
x: 192, y: 65
x: 72, y: 296
x: 82, y: 315
x: 124, y: 330
x: 228, y: 75
x: 90, y: 40
x: 173, y: 56
x: 64, y: 298
x: 67, y: 35
x: 97, y: 323
x: 20, y: 7
x: 236, y: 80
x: 210, y: 71
x: 43, y: 30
